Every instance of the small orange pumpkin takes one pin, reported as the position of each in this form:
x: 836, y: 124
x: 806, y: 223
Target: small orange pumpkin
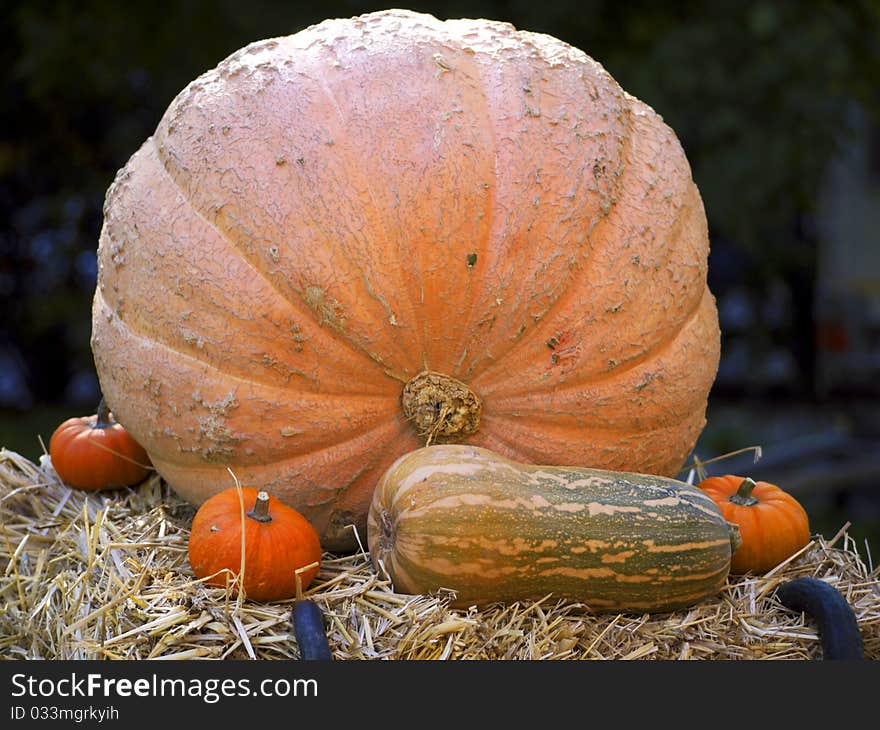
x: 772, y: 524
x: 95, y: 452
x: 278, y: 542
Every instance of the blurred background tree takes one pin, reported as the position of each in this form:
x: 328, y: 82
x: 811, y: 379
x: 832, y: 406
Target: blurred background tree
x: 760, y: 92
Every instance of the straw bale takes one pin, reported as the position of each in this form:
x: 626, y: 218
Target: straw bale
x: 104, y: 575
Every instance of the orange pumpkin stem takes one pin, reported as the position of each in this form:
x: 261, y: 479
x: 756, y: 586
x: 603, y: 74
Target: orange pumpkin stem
x: 743, y: 495
x: 260, y: 511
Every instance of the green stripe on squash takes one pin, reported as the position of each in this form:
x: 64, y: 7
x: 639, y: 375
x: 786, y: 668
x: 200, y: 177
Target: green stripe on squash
x: 467, y: 519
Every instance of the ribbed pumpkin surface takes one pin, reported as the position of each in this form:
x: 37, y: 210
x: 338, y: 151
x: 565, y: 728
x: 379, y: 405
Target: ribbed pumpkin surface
x: 325, y: 216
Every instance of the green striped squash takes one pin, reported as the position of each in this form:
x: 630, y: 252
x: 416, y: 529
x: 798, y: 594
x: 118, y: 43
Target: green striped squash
x: 469, y: 520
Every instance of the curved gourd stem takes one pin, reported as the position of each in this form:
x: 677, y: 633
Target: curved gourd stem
x: 308, y: 624
x: 838, y: 627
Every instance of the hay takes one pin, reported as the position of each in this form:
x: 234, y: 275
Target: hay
x: 105, y: 576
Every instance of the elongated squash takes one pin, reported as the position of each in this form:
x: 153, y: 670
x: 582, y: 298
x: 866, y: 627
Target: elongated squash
x: 467, y: 519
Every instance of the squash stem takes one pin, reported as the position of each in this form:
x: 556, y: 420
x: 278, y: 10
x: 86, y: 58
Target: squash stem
x: 743, y: 495
x: 735, y: 536
x: 103, y: 413
x: 260, y: 511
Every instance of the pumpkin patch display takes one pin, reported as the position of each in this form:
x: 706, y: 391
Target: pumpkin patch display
x: 96, y: 452
x: 278, y: 545
x: 389, y: 231
x: 492, y: 529
x: 773, y: 525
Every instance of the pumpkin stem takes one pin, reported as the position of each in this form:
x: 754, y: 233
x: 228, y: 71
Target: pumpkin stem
x: 441, y: 407
x: 743, y: 495
x: 260, y: 511
x: 103, y: 413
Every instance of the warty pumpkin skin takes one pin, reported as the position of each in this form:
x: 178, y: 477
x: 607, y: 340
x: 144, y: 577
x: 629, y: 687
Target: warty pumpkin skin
x: 479, y: 212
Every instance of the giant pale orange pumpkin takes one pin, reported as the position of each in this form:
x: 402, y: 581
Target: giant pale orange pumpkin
x: 391, y: 230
